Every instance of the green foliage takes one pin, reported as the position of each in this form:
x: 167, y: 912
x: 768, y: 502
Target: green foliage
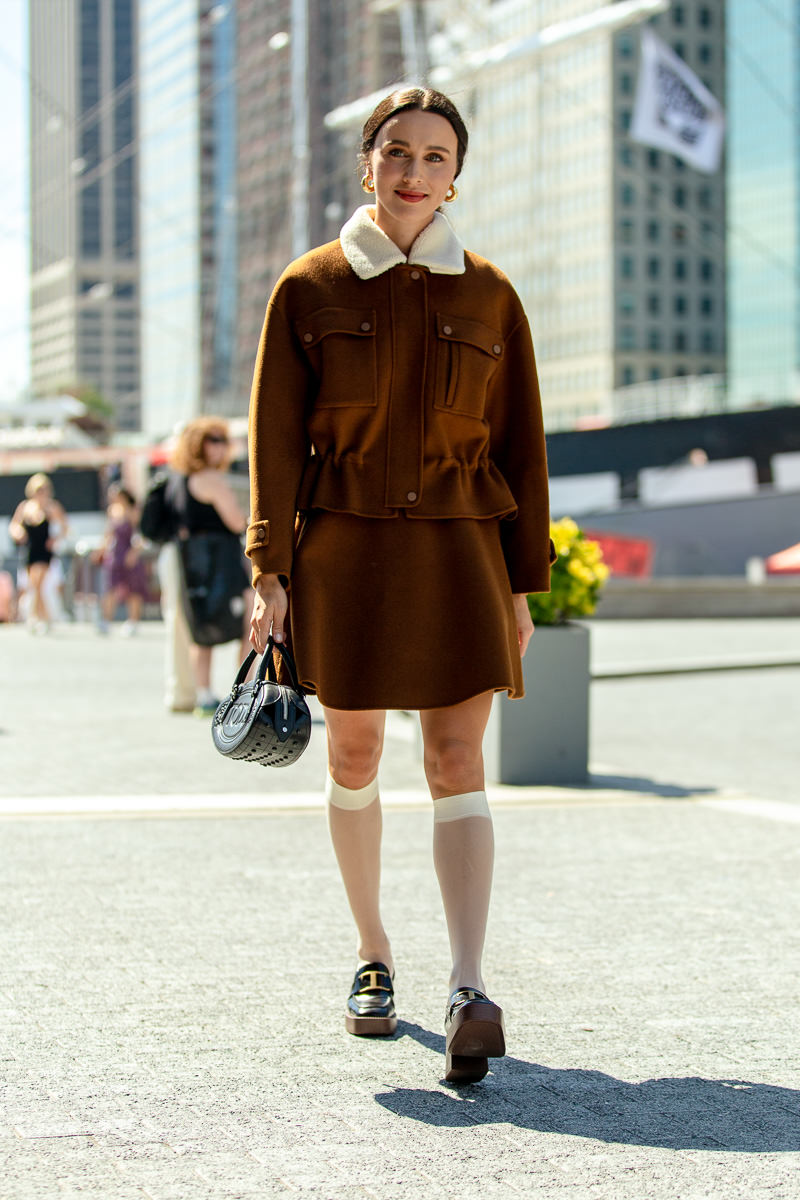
x: 576, y: 577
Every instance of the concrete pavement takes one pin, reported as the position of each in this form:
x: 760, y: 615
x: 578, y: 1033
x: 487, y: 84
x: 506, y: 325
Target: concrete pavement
x: 175, y: 952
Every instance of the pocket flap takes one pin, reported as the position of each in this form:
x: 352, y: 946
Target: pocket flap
x: 474, y: 333
x: 359, y: 322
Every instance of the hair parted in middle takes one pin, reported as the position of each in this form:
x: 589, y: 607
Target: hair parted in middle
x: 403, y: 100
x: 189, y: 454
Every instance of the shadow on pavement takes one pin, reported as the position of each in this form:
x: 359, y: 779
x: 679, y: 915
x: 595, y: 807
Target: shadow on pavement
x: 649, y: 787
x: 674, y: 1114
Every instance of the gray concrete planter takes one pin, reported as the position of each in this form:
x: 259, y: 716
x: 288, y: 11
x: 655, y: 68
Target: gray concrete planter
x: 544, y: 738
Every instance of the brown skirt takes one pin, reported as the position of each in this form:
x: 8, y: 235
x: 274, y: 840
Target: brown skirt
x: 402, y: 613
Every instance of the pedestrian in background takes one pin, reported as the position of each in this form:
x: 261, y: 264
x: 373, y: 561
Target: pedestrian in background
x: 124, y: 574
x: 202, y: 455
x: 395, y: 407
x: 38, y: 523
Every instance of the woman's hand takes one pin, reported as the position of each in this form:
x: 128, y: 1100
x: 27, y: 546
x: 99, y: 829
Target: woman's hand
x: 524, y: 622
x: 269, y: 612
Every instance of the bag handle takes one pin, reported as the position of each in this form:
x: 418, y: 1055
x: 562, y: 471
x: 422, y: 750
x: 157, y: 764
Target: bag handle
x: 266, y: 667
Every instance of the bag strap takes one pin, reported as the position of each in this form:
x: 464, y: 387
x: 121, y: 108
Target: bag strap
x: 266, y: 667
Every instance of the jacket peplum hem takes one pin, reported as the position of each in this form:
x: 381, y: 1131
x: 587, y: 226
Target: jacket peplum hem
x: 449, y: 488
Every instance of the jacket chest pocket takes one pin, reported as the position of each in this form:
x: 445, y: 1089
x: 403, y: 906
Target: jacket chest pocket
x: 467, y: 354
x: 340, y: 346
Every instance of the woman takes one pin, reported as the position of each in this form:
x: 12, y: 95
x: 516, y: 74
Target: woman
x: 202, y: 454
x: 125, y: 579
x: 395, y: 407
x: 32, y: 526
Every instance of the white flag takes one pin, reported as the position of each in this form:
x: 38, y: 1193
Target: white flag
x: 674, y: 110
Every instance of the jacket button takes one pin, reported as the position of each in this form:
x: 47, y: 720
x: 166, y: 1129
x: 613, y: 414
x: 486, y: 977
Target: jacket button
x: 415, y: 274
x: 448, y: 329
x: 365, y: 325
x: 411, y: 496
x: 308, y: 337
x: 497, y: 349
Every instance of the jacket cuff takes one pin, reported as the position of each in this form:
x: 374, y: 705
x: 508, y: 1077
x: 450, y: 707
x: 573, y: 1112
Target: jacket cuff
x: 257, y: 537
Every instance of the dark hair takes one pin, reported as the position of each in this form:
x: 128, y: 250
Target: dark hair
x: 424, y: 99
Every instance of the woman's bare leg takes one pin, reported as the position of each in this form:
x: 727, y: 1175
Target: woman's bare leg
x: 355, y: 742
x: 463, y: 838
x: 37, y: 573
x: 201, y: 664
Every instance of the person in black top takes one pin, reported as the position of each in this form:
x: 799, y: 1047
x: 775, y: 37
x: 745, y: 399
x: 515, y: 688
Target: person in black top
x: 33, y: 527
x: 202, y: 455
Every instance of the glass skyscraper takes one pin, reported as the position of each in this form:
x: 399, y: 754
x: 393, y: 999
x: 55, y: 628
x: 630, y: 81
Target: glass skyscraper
x: 763, y: 164
x: 188, y: 215
x: 84, y: 239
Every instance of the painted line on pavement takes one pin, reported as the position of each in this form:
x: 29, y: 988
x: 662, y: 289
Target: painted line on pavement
x: 749, y: 806
x: 222, y: 803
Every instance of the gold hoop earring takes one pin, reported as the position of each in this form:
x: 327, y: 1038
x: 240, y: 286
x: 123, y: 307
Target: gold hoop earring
x: 452, y: 193
x: 368, y: 184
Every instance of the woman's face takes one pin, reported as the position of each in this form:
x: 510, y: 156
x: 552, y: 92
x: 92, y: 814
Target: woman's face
x: 215, y: 447
x: 413, y: 163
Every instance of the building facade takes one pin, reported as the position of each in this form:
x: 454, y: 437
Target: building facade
x: 187, y: 86
x: 298, y: 180
x: 84, y: 227
x: 763, y: 204
x: 617, y: 250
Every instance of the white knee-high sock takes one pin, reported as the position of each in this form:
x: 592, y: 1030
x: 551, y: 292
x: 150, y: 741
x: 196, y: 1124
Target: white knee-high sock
x: 355, y: 823
x: 463, y: 854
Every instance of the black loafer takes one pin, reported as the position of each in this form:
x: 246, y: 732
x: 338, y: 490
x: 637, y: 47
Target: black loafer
x: 475, y: 1033
x: 370, y: 1005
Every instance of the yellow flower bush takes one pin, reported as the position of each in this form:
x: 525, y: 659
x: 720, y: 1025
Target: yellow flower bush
x: 576, y: 579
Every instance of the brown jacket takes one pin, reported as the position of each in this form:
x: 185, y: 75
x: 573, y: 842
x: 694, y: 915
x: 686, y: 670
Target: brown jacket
x: 410, y: 390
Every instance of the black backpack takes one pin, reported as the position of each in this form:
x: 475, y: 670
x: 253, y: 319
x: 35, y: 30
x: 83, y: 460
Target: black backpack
x: 164, y: 508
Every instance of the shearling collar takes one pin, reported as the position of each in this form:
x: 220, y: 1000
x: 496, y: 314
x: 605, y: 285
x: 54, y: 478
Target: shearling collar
x: 370, y: 252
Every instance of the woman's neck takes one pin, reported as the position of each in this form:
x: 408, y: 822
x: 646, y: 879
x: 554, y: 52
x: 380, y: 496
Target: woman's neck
x: 398, y: 232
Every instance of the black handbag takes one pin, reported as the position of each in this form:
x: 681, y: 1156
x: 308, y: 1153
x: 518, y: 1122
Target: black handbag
x: 264, y: 721
x: 214, y: 582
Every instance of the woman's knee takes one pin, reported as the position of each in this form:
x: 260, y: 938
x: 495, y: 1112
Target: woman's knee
x: 354, y: 754
x: 453, y: 765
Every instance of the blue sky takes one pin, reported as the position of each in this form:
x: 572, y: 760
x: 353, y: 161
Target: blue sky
x: 14, y: 368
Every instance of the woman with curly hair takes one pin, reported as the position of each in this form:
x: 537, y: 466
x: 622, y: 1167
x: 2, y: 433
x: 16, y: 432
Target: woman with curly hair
x: 210, y: 516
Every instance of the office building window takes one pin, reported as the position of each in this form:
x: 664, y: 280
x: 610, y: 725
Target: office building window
x: 654, y: 303
x: 679, y: 340
x: 654, y: 159
x: 679, y: 268
x: 678, y: 14
x: 653, y: 231
x: 654, y: 268
x: 627, y: 303
x: 628, y: 194
x: 627, y: 337
x: 706, y: 269
x: 707, y: 341
x: 654, y: 339
x: 626, y: 266
x: 626, y: 229
x: 707, y: 305
x: 91, y: 233
x: 704, y: 17
x: 654, y: 373
x: 679, y: 306
x: 679, y: 196
x: 628, y: 376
